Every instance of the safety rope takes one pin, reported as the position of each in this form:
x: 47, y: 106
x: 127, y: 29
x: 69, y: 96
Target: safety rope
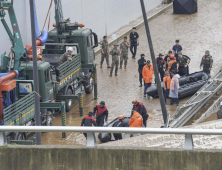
x: 47, y: 14
x: 47, y: 17
x: 49, y: 20
x: 37, y: 94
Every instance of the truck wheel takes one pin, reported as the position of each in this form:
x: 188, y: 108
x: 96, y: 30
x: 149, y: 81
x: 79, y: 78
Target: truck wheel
x: 90, y: 83
x: 69, y: 102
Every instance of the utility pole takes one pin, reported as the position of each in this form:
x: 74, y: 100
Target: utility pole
x: 35, y: 75
x: 159, y: 88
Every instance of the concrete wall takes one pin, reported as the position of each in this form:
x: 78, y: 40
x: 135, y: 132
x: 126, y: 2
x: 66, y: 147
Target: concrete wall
x: 79, y: 158
x: 102, y: 16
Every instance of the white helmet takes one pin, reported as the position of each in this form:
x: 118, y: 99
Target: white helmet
x: 70, y: 49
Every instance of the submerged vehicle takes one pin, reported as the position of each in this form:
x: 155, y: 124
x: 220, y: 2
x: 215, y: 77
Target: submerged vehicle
x: 106, y: 137
x: 189, y: 85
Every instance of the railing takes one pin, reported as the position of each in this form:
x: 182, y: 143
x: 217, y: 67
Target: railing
x: 91, y: 140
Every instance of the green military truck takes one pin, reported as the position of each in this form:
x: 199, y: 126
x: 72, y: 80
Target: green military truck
x: 67, y: 81
x: 79, y: 74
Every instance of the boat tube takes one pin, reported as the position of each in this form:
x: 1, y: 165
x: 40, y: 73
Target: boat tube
x: 106, y: 137
x: 189, y: 85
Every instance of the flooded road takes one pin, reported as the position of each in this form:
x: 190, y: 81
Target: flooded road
x: 197, y: 33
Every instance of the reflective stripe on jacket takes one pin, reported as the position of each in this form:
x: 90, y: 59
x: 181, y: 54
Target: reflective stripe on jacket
x: 148, y: 73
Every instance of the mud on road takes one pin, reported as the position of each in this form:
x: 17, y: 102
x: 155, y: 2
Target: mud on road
x: 197, y: 33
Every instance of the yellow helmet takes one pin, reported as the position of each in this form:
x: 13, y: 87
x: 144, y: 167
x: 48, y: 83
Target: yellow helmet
x: 134, y: 100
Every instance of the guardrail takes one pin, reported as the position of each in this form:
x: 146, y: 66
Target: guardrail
x: 91, y: 140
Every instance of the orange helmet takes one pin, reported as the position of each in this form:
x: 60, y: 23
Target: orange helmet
x: 134, y: 100
x: 121, y: 117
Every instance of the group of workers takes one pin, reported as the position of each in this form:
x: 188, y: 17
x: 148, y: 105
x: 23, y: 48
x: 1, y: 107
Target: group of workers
x: 122, y: 51
x: 170, y: 68
x: 138, y: 117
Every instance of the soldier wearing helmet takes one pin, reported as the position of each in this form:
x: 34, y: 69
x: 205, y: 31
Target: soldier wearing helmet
x: 119, y: 123
x: 207, y: 62
x: 66, y: 56
x: 102, y: 113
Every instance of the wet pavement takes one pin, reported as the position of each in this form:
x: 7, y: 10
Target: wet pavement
x: 174, y: 141
x: 197, y: 33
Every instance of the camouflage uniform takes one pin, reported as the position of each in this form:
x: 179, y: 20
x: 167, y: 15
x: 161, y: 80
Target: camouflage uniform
x: 64, y: 58
x: 207, y: 62
x: 124, y: 54
x: 182, y: 62
x: 104, y: 45
x: 115, y: 60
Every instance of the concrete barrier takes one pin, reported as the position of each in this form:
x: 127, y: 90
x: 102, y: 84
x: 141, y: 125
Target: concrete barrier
x: 14, y: 157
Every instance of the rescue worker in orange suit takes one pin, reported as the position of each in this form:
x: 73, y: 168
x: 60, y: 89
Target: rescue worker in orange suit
x: 136, y: 120
x: 102, y: 113
x: 147, y: 75
x: 166, y: 85
x: 160, y: 63
x: 172, y: 65
x: 141, y: 109
x: 88, y: 121
x: 119, y: 123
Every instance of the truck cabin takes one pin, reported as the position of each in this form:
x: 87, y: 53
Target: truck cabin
x: 85, y: 38
x: 45, y: 79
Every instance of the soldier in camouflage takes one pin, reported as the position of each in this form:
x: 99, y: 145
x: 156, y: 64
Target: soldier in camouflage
x: 207, y: 62
x: 104, y: 52
x: 115, y: 59
x: 182, y: 64
x: 66, y: 56
x: 124, y: 46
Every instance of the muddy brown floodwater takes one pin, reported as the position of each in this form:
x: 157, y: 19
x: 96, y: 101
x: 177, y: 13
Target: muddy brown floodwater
x: 197, y: 33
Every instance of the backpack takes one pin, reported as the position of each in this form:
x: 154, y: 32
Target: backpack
x: 143, y: 111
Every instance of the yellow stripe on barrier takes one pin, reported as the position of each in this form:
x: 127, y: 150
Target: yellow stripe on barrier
x: 22, y: 116
x: 68, y: 76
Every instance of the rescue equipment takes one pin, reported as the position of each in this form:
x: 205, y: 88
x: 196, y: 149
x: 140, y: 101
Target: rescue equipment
x: 189, y: 85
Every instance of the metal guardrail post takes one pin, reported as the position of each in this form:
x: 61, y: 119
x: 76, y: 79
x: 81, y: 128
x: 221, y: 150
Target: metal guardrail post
x: 80, y: 98
x: 63, y: 116
x: 34, y: 141
x: 91, y: 140
x: 188, y: 145
x: 95, y: 82
x: 3, y: 140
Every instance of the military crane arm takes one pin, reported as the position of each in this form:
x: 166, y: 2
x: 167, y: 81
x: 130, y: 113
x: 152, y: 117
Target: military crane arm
x: 15, y: 37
